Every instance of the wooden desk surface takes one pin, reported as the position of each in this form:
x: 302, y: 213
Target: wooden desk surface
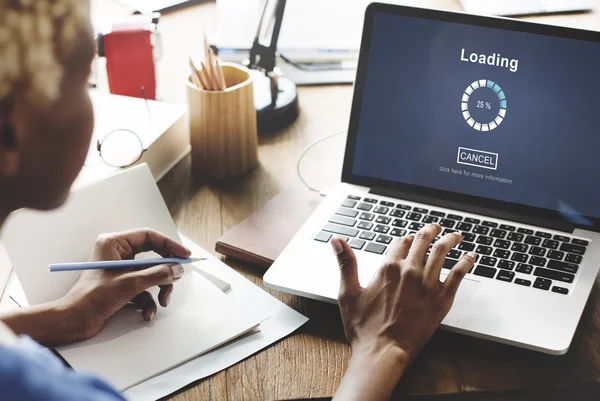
x: 311, y: 363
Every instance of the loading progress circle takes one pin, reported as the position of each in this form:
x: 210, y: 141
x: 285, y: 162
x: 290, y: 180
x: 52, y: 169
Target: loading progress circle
x: 484, y: 105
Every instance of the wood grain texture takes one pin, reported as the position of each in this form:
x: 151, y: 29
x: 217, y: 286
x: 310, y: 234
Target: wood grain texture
x: 310, y: 364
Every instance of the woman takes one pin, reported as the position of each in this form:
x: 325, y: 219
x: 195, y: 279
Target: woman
x: 46, y: 121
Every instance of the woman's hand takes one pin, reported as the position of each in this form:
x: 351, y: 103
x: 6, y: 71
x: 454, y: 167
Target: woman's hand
x: 388, y: 322
x: 99, y: 294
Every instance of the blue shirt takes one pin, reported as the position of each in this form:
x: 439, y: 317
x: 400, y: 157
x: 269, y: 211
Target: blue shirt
x: 29, y: 372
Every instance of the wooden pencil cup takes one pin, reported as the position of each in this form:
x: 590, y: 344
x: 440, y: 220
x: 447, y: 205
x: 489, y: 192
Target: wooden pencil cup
x: 223, y: 130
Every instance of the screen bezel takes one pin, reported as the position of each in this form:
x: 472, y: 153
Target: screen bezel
x: 468, y: 201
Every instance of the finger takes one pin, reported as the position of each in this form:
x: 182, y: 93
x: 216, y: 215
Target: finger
x: 146, y: 302
x: 399, y: 248
x: 456, y: 275
x: 437, y: 256
x: 349, y: 284
x: 164, y: 296
x: 144, y: 240
x: 421, y: 243
x: 154, y: 276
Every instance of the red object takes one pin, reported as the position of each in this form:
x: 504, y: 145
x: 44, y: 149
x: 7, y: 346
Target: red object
x: 130, y: 63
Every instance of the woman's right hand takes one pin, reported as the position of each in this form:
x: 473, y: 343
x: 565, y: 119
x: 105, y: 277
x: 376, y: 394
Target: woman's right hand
x: 388, y: 322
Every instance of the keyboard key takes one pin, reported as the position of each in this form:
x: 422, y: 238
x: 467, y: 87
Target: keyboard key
x: 383, y: 220
x: 403, y: 207
x: 369, y: 236
x: 485, y: 240
x: 342, y: 237
x: 561, y: 238
x: 375, y: 248
x: 573, y: 258
x: 523, y: 268
x: 502, y: 254
x: 430, y: 219
x: 504, y: 275
x: 519, y: 257
x: 398, y: 232
x: 537, y: 261
x: 323, y: 237
x: 397, y: 213
x: 563, y: 267
x: 560, y: 290
x: 468, y: 237
x: 416, y: 226
x: 454, y: 254
x: 506, y: 264
x: 335, y: 229
x: 454, y: 217
x: 365, y: 206
x: 556, y: 255
x: 570, y: 248
x: 525, y: 231
x: 371, y: 200
x: 515, y: 237
x: 464, y: 226
x: 580, y: 242
x: 437, y: 214
x: 365, y: 225
x: 342, y: 211
x: 484, y: 250
x: 487, y: 261
x: 400, y: 223
x: 381, y: 229
x: 533, y: 240
x: 542, y: 284
x: 466, y: 246
x: 472, y: 220
x: 520, y: 281
x: 481, y: 230
x: 489, y: 224
x: 420, y: 210
x: 447, y: 223
x: 353, y: 197
x: 519, y: 248
x: 448, y: 263
x: 448, y: 231
x: 551, y: 244
x: 356, y: 243
x: 485, y: 271
x: 385, y: 203
x: 384, y: 239
x: 500, y: 243
x: 543, y: 234
x: 537, y: 251
x: 414, y: 216
x: 381, y: 210
x: 345, y: 221
x: 367, y: 216
x: 349, y: 203
x: 498, y: 233
x: 507, y: 227
x: 554, y: 275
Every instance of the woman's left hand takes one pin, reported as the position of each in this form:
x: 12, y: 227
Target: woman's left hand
x: 98, y: 294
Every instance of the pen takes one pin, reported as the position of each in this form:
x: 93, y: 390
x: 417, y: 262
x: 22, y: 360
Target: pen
x: 121, y: 264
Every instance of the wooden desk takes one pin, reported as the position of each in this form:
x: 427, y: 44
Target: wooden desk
x: 311, y: 363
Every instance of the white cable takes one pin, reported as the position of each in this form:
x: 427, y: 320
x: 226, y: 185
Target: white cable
x: 305, y: 151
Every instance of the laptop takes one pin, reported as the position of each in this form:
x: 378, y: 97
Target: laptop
x: 525, y: 7
x: 488, y: 127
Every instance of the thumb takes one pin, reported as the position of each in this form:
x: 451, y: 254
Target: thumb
x: 155, y: 276
x: 349, y: 284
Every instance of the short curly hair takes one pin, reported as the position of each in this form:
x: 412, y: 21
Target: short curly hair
x: 36, y: 38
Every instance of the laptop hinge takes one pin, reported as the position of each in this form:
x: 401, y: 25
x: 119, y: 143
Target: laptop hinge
x: 517, y: 218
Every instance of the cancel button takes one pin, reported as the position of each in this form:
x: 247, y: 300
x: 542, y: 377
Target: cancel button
x: 477, y: 158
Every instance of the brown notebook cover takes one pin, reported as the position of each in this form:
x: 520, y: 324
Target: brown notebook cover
x: 259, y: 239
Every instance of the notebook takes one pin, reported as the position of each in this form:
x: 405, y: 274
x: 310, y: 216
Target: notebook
x: 129, y: 350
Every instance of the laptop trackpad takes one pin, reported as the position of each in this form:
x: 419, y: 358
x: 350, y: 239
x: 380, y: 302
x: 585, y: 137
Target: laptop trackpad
x: 462, y: 309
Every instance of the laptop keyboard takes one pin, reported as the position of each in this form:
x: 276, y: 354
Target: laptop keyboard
x: 517, y: 255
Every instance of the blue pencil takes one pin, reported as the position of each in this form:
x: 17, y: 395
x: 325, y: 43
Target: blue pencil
x: 121, y: 264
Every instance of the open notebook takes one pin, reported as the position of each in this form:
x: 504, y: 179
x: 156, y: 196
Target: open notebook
x: 129, y: 350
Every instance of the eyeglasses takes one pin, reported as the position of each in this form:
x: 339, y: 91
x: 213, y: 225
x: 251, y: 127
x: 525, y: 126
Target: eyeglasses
x: 120, y: 148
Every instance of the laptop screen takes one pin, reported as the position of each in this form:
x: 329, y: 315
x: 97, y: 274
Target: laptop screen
x: 493, y: 113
